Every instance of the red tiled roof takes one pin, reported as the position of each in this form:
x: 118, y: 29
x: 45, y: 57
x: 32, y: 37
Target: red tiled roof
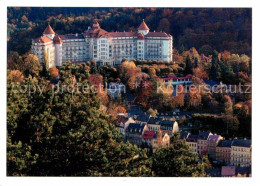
x: 149, y: 135
x: 48, y: 30
x: 43, y: 39
x: 143, y: 26
x: 95, y: 33
x: 121, y: 34
x: 140, y: 36
x: 157, y: 34
x: 57, y: 39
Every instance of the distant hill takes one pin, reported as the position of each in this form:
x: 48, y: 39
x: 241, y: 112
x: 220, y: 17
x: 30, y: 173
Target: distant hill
x: 205, y: 29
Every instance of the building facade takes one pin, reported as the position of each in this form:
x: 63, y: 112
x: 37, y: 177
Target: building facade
x: 241, y: 152
x: 192, y: 143
x: 96, y: 44
x: 169, y: 127
x: 202, y: 142
x: 223, y: 151
x: 134, y: 133
x: 212, y: 143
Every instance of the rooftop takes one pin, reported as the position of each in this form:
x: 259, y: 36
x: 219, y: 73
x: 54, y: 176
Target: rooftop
x: 184, y: 135
x: 42, y: 39
x: 203, y: 135
x: 48, y: 30
x: 143, y: 118
x: 224, y: 143
x: 241, y: 143
x: 154, y: 120
x: 149, y: 135
x: 192, y: 138
x: 135, y: 128
x: 213, y: 138
x: 143, y: 26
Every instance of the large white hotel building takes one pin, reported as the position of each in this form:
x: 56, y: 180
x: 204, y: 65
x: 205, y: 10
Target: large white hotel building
x: 96, y: 44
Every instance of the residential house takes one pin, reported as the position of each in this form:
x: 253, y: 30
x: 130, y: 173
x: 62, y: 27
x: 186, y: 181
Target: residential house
x: 155, y: 139
x: 134, y: 133
x: 169, y: 127
x: 223, y: 151
x: 192, y: 143
x: 154, y: 124
x: 183, y: 136
x: 202, y: 142
x: 212, y: 143
x: 241, y: 152
x: 123, y: 123
x: 143, y: 119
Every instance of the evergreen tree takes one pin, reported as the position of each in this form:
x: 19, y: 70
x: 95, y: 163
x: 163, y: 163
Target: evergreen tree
x: 67, y: 134
x: 188, y: 67
x: 215, y: 70
x: 196, y: 65
x: 176, y: 161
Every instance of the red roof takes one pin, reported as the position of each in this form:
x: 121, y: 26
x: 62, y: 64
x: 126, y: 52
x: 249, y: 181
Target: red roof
x: 48, y: 30
x: 140, y: 36
x: 143, y: 26
x: 57, y: 39
x: 43, y: 39
x: 95, y: 33
x: 157, y: 34
x: 121, y: 34
x: 149, y: 135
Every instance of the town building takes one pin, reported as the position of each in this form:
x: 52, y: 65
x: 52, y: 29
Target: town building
x: 212, y: 143
x: 142, y: 119
x: 223, y: 151
x: 192, y: 141
x: 154, y: 124
x: 155, y: 139
x: 169, y: 127
x: 174, y: 80
x: 241, y: 152
x: 202, y: 142
x: 123, y: 123
x: 134, y: 133
x: 183, y: 136
x: 106, y: 48
x: 228, y: 171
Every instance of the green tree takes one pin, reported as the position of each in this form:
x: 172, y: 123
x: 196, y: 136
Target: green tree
x: 67, y: 132
x: 177, y: 161
x: 188, y: 67
x: 215, y: 70
x: 196, y: 65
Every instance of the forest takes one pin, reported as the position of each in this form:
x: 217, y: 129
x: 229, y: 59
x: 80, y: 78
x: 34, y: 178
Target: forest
x: 206, y: 29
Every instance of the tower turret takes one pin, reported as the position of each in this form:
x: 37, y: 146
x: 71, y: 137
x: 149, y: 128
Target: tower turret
x: 143, y: 28
x: 49, y: 32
